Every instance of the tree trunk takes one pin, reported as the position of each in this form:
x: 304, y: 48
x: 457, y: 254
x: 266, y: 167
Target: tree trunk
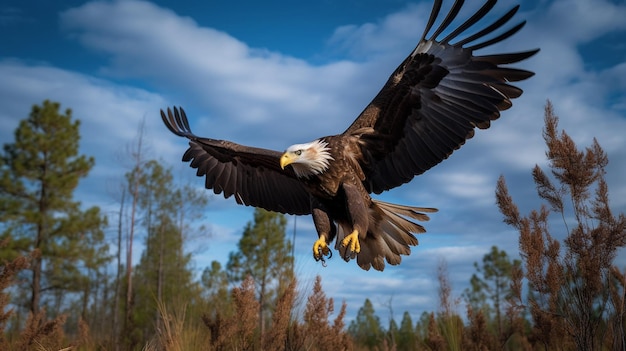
x: 160, y: 277
x: 261, y: 308
x: 129, y: 246
x: 497, y: 307
x: 85, y: 306
x: 116, y: 298
x: 37, y: 261
x: 36, y: 286
x: 129, y: 257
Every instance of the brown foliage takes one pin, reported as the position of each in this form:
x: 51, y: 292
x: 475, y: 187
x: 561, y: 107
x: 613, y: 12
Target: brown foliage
x: 85, y: 339
x: 516, y: 330
x: 570, y: 286
x: 445, y: 289
x: 339, y: 335
x: 276, y: 337
x: 246, y: 315
x: 8, y: 271
x: 318, y: 332
x: 240, y: 330
x: 318, y: 308
x: 38, y: 332
x: 236, y: 332
x: 434, y: 339
x: 478, y: 337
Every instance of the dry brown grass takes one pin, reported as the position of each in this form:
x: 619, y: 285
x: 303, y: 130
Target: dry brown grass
x: 449, y: 322
x: 176, y: 333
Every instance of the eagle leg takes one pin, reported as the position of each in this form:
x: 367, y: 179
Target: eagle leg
x: 353, y: 241
x: 321, y: 249
x: 326, y: 230
x: 358, y: 214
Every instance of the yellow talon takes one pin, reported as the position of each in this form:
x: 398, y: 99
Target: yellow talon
x: 353, y: 241
x: 320, y: 248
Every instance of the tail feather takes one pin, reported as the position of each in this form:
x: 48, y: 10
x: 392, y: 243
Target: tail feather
x: 368, y: 256
x: 408, y: 211
x: 390, y: 234
x: 397, y: 235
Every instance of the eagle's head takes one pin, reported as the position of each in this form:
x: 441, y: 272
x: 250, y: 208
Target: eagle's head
x: 307, y: 159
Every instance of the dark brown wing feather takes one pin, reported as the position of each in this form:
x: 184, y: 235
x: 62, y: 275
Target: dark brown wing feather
x: 433, y: 101
x: 252, y: 175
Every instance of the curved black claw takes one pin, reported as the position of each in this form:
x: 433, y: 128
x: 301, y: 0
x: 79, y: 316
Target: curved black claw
x: 320, y: 257
x: 352, y: 245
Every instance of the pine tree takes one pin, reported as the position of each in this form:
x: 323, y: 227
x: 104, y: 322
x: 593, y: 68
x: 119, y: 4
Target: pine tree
x: 421, y: 327
x: 365, y: 329
x: 391, y: 336
x: 163, y: 275
x: 215, y: 283
x: 38, y: 175
x: 406, y: 340
x: 496, y: 271
x: 133, y: 178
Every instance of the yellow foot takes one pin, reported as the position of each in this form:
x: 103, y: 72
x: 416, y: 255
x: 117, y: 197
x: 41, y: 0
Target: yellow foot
x: 320, y: 248
x: 353, y: 241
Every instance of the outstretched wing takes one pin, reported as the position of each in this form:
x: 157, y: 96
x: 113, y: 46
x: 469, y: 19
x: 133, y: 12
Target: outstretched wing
x: 433, y: 101
x: 252, y: 175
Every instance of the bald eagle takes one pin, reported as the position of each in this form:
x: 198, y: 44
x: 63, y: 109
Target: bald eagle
x: 428, y: 108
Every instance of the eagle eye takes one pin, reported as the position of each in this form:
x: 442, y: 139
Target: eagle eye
x: 298, y: 152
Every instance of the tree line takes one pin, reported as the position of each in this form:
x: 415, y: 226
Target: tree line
x: 68, y: 280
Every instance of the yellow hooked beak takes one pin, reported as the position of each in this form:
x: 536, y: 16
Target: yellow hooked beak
x: 286, y: 159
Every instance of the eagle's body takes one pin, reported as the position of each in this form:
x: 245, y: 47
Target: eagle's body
x: 427, y: 109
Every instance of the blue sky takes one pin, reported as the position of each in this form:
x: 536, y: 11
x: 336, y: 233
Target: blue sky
x: 275, y: 73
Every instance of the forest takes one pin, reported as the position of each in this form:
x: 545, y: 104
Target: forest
x: 57, y: 291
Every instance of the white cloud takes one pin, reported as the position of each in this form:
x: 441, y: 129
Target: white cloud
x: 239, y: 84
x: 393, y: 34
x: 470, y: 187
x: 577, y: 21
x: 109, y: 113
